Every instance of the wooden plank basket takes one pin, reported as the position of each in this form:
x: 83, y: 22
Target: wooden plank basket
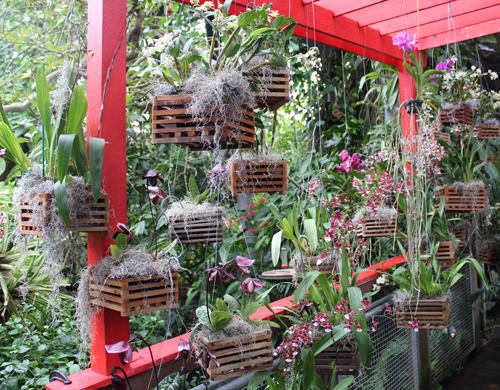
x: 490, y: 256
x: 462, y: 201
x: 431, y: 314
x: 376, y: 227
x: 200, y: 227
x: 344, y: 354
x: 453, y: 116
x: 237, y: 358
x: 325, y: 268
x: 275, y: 91
x: 484, y: 131
x: 445, y: 254
x: 95, y: 221
x: 256, y: 177
x: 132, y: 296
x: 173, y: 124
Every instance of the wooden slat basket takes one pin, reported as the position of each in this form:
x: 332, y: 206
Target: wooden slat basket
x: 460, y: 234
x: 466, y: 201
x: 490, y: 256
x: 198, y: 228
x: 325, y: 268
x: 484, y: 131
x: 95, y: 221
x: 431, y: 314
x: 344, y: 354
x: 445, y: 254
x: 453, y: 116
x: 376, y: 227
x: 237, y: 358
x: 173, y: 124
x: 257, y: 177
x: 274, y: 92
x: 132, y: 296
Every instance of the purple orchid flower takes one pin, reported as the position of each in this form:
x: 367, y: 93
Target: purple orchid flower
x: 156, y: 194
x: 123, y: 348
x: 250, y: 285
x: 218, y: 272
x: 306, y: 307
x: 123, y: 229
x: 242, y: 263
x: 183, y: 349
x: 349, y: 164
x: 152, y: 178
x: 218, y: 168
x: 206, y: 356
x: 402, y: 40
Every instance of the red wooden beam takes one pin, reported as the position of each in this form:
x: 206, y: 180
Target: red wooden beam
x: 391, y: 9
x: 433, y: 14
x: 340, y: 8
x: 107, y: 22
x: 407, y: 91
x: 459, y: 35
x: 458, y: 22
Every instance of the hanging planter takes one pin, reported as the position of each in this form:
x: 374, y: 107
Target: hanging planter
x: 445, y: 254
x: 252, y: 174
x: 463, y: 197
x: 455, y: 115
x: 343, y: 352
x: 413, y: 106
x: 324, y: 263
x: 428, y: 314
x: 272, y: 85
x: 37, y: 212
x: 487, y: 130
x: 173, y: 123
x: 192, y: 223
x: 236, y: 356
x: 384, y: 224
x: 490, y: 254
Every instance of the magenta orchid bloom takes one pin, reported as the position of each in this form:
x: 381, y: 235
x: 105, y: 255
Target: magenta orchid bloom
x: 152, y: 177
x: 218, y: 168
x: 157, y: 194
x: 250, y: 285
x: 242, y: 263
x: 374, y: 326
x: 123, y: 348
x: 122, y: 229
x: 388, y: 309
x: 414, y: 325
x: 183, y: 349
x: 402, y: 40
x: 348, y: 163
x: 218, y: 272
x: 206, y: 356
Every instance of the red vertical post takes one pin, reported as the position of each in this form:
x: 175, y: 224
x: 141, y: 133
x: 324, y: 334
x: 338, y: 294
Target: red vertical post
x: 106, y: 29
x: 407, y: 91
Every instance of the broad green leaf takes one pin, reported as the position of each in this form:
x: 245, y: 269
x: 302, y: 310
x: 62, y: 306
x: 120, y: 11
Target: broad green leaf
x: 323, y: 343
x: 12, y: 149
x: 202, y: 313
x: 304, y: 285
x: 250, y: 310
x: 96, y: 155
x: 257, y: 379
x: 221, y: 305
x: 220, y: 319
x: 232, y: 302
x: 3, y: 165
x: 280, y: 62
x: 245, y: 18
x: 261, y: 31
x: 115, y: 252
x: 345, y: 383
x: 77, y: 111
x: 62, y: 202
x: 362, y: 339
x: 232, y: 49
x: 276, y: 247
x: 344, y: 271
x: 312, y: 233
x: 121, y: 241
x: 308, y: 369
x: 64, y: 151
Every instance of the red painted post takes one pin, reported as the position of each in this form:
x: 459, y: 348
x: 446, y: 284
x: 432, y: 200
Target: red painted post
x: 407, y: 91
x: 107, y: 23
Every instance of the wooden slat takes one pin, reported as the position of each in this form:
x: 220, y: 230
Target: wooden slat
x: 456, y: 201
x: 345, y: 356
x: 203, y: 227
x: 258, y: 177
x: 275, y: 92
x: 431, y: 314
x: 378, y: 227
x: 450, y: 117
x: 483, y: 131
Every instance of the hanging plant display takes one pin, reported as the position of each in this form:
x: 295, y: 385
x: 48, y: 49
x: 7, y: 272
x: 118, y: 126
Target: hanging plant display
x: 451, y: 115
x: 252, y: 174
x: 272, y: 87
x: 343, y: 352
x: 489, y: 129
x: 326, y: 263
x: 227, y: 342
x: 445, y: 254
x: 463, y: 197
x: 427, y: 313
x: 383, y: 223
x: 489, y: 252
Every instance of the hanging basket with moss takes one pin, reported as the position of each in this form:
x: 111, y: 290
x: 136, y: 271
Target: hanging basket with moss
x: 39, y: 212
x: 326, y: 263
x: 251, y: 174
x: 489, y: 253
x: 452, y: 115
x: 192, y: 223
x: 137, y: 283
x: 487, y: 130
x: 445, y: 254
x: 427, y: 313
x: 382, y: 224
x: 343, y: 352
x: 463, y: 197
x: 271, y: 87
x: 209, y: 112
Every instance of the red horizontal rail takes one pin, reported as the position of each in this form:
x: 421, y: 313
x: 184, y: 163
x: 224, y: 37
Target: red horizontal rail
x: 343, y: 7
x: 166, y: 351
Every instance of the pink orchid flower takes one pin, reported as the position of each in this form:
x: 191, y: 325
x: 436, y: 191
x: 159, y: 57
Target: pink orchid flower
x: 250, y: 285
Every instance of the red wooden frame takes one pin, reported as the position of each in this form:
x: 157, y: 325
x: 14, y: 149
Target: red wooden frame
x: 363, y: 27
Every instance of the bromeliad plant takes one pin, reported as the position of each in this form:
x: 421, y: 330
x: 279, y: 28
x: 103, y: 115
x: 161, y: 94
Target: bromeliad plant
x: 426, y: 87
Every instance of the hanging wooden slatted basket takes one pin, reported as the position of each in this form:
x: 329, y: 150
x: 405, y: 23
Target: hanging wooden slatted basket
x: 173, y: 124
x: 343, y: 353
x: 377, y: 227
x: 132, y: 296
x: 445, y: 254
x: 237, y: 357
x: 487, y: 131
x: 204, y: 227
x: 258, y: 177
x: 95, y: 219
x: 431, y: 314
x: 453, y: 116
x: 490, y: 256
x: 467, y: 200
x: 274, y: 90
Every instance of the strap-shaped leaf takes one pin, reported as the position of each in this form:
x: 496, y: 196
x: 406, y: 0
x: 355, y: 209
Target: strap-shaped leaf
x: 77, y: 111
x: 305, y: 284
x: 12, y: 149
x: 43, y: 102
x: 312, y: 233
x: 96, y: 159
x: 276, y: 248
x: 246, y: 18
x: 64, y: 152
x: 62, y: 202
x: 344, y: 272
x: 364, y: 344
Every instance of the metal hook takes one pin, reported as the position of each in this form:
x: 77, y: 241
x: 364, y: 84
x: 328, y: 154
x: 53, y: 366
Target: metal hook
x: 300, y: 251
x: 59, y: 376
